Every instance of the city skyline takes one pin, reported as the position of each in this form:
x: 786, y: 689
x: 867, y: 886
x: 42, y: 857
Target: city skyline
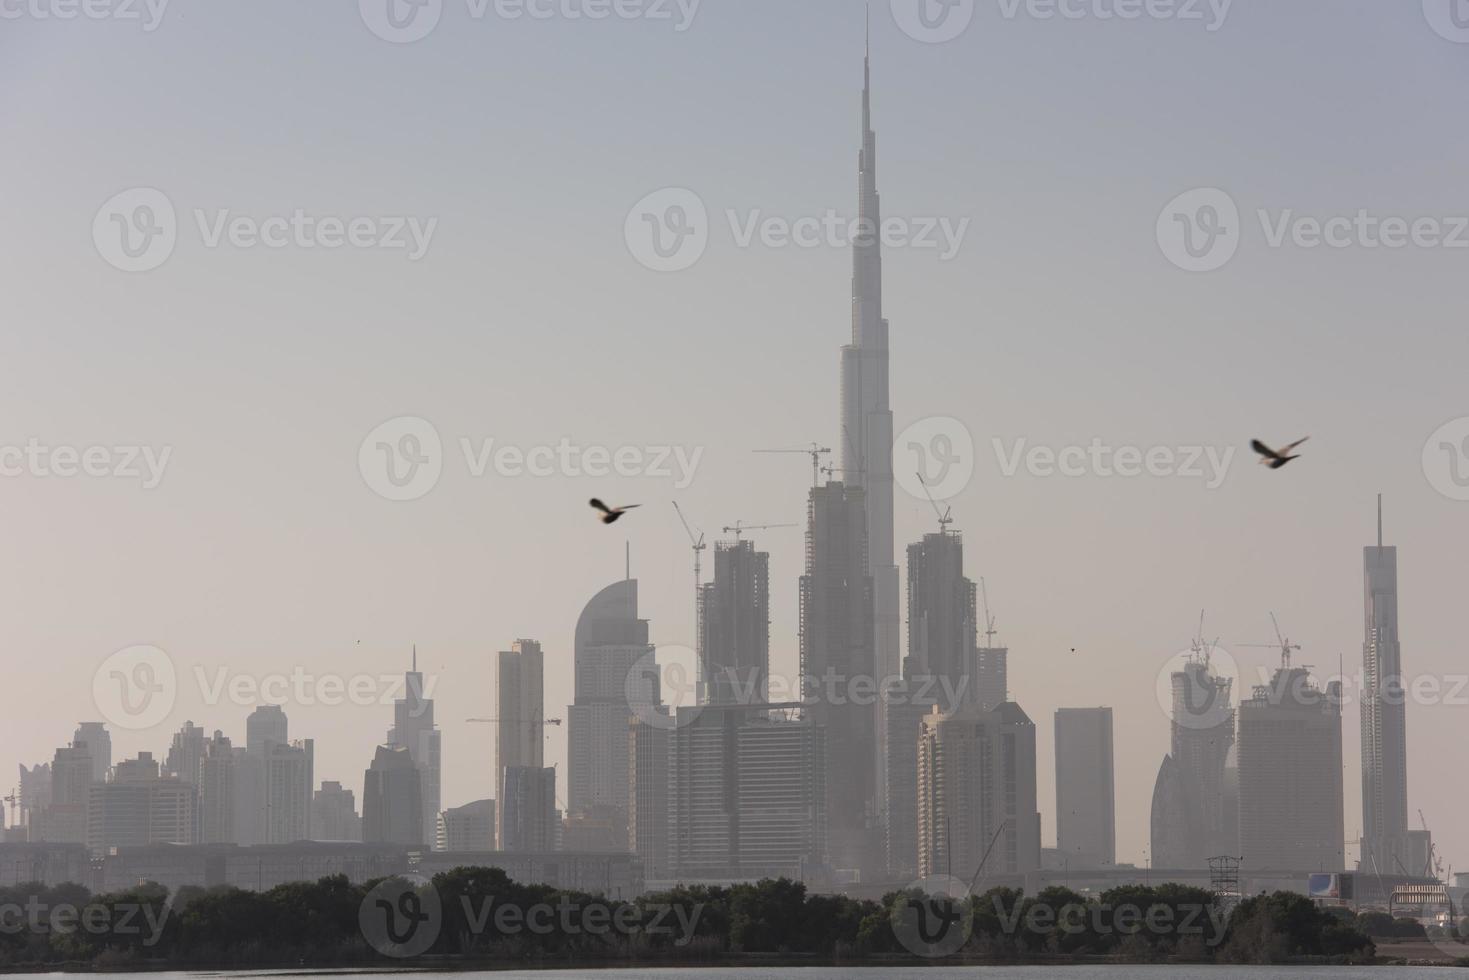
x: 1229, y: 583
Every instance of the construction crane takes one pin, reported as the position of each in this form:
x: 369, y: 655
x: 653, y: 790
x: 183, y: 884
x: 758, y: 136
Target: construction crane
x: 985, y: 860
x: 1284, y: 645
x: 740, y: 527
x: 699, y: 547
x: 989, y: 621
x: 14, y: 802
x: 945, y: 516
x: 1434, y: 867
x: 816, y: 451
x: 1203, y: 650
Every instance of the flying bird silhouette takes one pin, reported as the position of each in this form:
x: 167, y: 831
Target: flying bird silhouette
x: 611, y: 515
x: 1275, y: 459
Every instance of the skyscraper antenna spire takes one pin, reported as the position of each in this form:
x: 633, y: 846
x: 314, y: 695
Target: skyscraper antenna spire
x: 1379, y: 520
x: 415, y: 658
x: 867, y: 76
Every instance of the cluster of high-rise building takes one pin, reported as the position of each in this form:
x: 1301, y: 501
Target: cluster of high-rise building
x: 885, y: 768
x: 1263, y: 781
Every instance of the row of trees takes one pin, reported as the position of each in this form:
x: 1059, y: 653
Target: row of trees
x: 479, y: 913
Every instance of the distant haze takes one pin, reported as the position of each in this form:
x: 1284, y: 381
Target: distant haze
x: 527, y: 320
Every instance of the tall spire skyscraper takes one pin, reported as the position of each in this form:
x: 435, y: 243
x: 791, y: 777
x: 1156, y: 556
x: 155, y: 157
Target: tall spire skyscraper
x: 867, y: 420
x: 414, y: 729
x: 1384, y: 718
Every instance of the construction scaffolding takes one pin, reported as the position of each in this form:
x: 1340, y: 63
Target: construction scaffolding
x: 1224, y: 882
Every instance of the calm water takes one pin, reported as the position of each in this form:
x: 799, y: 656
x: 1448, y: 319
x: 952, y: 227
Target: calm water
x: 893, y: 973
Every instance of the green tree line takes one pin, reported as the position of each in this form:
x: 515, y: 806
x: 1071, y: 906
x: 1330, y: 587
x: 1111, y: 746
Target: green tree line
x: 480, y: 914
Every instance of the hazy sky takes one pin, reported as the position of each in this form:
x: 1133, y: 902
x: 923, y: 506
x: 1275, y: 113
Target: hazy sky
x: 527, y: 320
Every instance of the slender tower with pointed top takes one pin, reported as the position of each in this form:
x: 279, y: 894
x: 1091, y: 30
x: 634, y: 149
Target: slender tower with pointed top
x: 866, y: 418
x: 414, y: 729
x: 1384, y: 718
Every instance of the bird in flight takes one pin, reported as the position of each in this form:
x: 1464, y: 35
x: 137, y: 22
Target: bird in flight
x: 611, y: 515
x: 1275, y: 459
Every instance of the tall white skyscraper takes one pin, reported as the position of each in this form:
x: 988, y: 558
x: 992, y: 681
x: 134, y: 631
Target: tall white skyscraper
x: 65, y: 817
x: 976, y: 785
x: 1384, y: 717
x: 414, y: 729
x: 218, y: 786
x: 837, y: 654
x: 98, y: 740
x: 938, y: 670
x: 520, y: 731
x: 1086, y: 801
x: 867, y: 419
x: 611, y: 642
x: 289, y: 774
x: 186, y: 754
x: 273, y: 780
